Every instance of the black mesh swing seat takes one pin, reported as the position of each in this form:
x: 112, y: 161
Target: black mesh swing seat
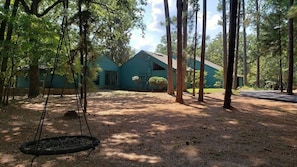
x: 59, y: 145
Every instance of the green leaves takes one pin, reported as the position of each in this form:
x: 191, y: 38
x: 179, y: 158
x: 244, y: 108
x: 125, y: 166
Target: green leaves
x: 114, y: 21
x: 292, y: 12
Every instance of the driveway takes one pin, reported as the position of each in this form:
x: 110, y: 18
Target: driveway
x: 271, y: 95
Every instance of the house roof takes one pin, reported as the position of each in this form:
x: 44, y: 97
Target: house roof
x: 27, y: 67
x: 211, y: 64
x: 164, y: 58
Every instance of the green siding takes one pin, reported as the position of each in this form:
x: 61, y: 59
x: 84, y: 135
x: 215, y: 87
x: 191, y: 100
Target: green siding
x: 22, y: 82
x: 103, y: 62
x: 210, y: 80
x: 44, y: 80
x: 112, y: 76
x: 59, y: 82
x: 141, y: 65
x: 107, y: 67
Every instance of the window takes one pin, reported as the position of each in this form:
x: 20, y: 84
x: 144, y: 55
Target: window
x: 111, y: 78
x: 157, y: 67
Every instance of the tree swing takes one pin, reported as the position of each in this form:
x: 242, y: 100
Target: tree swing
x: 65, y: 144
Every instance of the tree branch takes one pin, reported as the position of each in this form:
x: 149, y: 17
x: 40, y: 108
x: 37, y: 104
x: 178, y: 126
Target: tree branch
x: 49, y: 8
x: 25, y: 6
x: 109, y: 9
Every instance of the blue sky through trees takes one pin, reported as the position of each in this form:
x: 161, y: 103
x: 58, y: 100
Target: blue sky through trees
x: 154, y: 15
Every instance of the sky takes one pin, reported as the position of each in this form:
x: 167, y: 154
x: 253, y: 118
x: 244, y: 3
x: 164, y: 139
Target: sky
x: 154, y: 15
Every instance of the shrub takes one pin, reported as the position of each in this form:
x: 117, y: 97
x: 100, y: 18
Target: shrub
x: 189, y: 78
x: 159, y: 83
x: 136, y: 79
x: 219, y: 76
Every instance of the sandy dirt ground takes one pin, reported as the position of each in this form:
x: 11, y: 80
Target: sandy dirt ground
x: 150, y: 129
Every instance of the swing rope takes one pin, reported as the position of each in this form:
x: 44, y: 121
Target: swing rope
x: 62, y: 144
x: 56, y: 60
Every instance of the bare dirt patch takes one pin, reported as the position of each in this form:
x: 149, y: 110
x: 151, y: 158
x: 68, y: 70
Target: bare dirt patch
x: 150, y: 129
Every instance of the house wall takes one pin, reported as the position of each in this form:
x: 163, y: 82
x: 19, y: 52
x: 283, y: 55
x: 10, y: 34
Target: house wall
x: 163, y: 73
x: 107, y: 65
x: 44, y: 81
x: 22, y: 82
x: 210, y: 79
x: 141, y: 65
x: 58, y: 82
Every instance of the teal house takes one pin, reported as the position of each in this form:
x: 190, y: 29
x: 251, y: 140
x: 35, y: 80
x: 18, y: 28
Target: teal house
x: 108, y: 77
x: 210, y: 69
x: 144, y: 65
x: 147, y: 64
x: 59, y: 81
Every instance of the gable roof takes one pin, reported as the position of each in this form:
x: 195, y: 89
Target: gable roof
x: 164, y: 58
x: 211, y: 64
x: 106, y: 63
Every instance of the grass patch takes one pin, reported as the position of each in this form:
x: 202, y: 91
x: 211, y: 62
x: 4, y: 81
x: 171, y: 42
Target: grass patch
x: 208, y: 90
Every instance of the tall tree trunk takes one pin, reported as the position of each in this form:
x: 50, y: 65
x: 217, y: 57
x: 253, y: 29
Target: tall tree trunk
x: 244, y: 45
x: 235, y: 85
x: 170, y: 88
x: 81, y: 46
x: 290, y: 52
x: 179, y: 70
x: 85, y: 40
x: 258, y: 39
x: 8, y: 39
x: 34, y: 67
x: 4, y: 59
x: 185, y: 42
x: 280, y: 46
x: 225, y: 56
x: 195, y: 46
x: 232, y: 34
x: 201, y: 80
x: 33, y: 79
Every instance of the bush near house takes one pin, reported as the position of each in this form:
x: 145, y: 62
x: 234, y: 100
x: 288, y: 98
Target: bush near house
x: 159, y: 83
x: 189, y: 78
x: 136, y: 79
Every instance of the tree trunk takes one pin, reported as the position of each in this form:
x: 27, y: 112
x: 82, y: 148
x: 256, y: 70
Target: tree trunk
x: 235, y: 85
x: 81, y: 47
x: 4, y: 59
x: 244, y: 46
x: 290, y: 52
x: 34, y: 68
x: 195, y: 47
x: 170, y: 88
x: 179, y: 78
x: 232, y: 34
x: 225, y: 56
x: 8, y: 47
x: 258, y: 39
x: 201, y: 80
x: 185, y: 42
x: 34, y: 80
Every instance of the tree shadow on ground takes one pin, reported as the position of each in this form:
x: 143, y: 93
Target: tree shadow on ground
x: 150, y: 129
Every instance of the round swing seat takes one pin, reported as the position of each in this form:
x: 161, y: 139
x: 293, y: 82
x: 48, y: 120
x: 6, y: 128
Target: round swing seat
x: 59, y: 145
